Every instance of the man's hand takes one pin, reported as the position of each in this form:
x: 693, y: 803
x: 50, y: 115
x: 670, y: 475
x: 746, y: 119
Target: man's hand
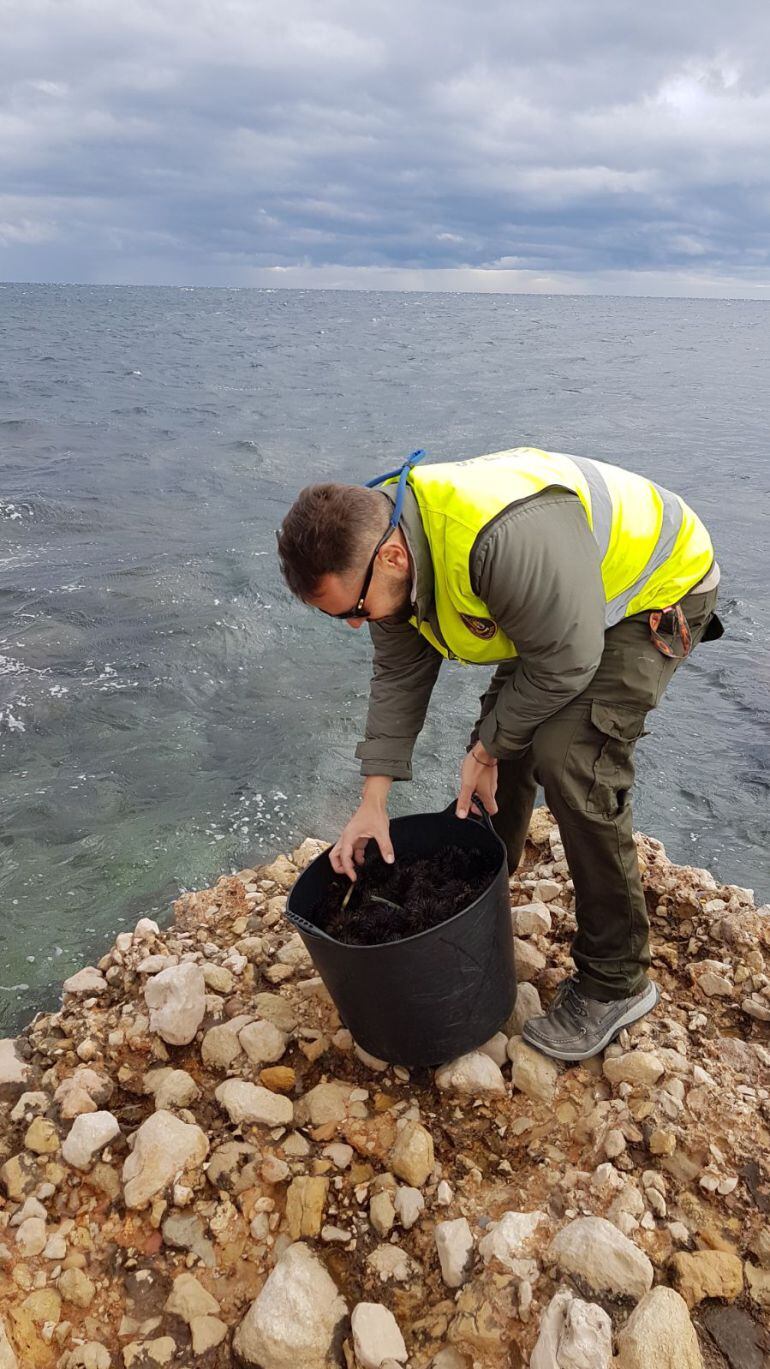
x: 369, y: 821
x: 478, y: 775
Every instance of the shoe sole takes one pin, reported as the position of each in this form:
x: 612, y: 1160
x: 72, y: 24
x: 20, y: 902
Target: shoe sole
x: 633, y: 1015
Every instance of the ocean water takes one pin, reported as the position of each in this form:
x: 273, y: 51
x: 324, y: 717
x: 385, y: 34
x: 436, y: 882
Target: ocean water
x: 168, y: 713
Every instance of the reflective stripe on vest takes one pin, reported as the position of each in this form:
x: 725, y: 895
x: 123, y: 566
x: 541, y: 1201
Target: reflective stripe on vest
x: 653, y: 548
x: 673, y: 513
x: 601, y: 507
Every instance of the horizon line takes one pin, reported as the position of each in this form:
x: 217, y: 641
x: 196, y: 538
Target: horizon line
x: 382, y: 290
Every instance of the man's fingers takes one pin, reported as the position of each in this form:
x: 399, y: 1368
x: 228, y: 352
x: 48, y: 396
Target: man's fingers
x: 464, y: 801
x: 347, y: 863
x: 386, y: 850
x: 343, y: 863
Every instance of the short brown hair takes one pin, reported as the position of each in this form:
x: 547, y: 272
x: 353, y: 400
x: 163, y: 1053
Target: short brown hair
x: 327, y: 530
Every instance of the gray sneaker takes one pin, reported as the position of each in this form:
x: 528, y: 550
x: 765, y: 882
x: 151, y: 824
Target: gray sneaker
x: 577, y: 1027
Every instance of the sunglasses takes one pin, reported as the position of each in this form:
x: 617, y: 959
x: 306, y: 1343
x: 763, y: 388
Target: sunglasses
x: 358, y: 610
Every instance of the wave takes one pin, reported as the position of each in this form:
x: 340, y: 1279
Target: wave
x: 20, y: 425
x: 15, y: 513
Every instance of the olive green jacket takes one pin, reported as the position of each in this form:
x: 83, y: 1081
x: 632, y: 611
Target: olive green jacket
x: 538, y: 570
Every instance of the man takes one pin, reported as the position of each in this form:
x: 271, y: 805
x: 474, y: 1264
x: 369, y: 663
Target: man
x: 584, y: 585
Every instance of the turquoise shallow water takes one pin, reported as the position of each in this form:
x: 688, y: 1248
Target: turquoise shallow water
x: 167, y: 712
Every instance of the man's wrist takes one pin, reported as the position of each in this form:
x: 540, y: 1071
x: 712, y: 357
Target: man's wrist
x: 480, y: 754
x: 376, y: 789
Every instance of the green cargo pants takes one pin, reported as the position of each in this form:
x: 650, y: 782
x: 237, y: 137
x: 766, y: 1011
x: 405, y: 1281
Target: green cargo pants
x: 583, y: 756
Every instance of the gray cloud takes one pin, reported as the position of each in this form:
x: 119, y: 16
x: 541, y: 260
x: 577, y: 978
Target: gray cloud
x: 444, y: 145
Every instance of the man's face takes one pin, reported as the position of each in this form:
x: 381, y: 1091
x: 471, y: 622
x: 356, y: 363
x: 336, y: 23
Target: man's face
x: 388, y: 599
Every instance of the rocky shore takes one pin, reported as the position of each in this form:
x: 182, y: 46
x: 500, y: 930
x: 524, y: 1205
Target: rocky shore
x: 198, y: 1165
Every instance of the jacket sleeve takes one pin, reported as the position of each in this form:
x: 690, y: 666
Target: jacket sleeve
x: 406, y: 667
x: 538, y: 571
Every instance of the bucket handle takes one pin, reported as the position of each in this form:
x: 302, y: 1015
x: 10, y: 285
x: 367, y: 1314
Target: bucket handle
x: 303, y: 925
x: 482, y: 817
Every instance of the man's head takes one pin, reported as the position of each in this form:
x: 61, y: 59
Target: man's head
x: 327, y: 546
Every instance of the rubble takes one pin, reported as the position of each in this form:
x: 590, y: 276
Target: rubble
x: 197, y: 1161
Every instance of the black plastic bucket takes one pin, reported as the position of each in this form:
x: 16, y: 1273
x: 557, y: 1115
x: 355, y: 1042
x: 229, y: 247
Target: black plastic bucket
x: 431, y: 997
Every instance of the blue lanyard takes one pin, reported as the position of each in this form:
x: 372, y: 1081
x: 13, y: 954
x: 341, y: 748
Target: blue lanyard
x: 402, y: 472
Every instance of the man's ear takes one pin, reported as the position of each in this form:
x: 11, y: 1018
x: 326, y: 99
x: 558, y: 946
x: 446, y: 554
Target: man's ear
x: 394, y: 555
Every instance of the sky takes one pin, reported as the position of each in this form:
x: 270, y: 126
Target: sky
x: 544, y: 146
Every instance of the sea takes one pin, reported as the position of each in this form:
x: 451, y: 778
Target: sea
x: 169, y: 714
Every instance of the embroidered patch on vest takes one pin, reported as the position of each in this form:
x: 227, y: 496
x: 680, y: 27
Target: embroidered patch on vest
x: 480, y: 627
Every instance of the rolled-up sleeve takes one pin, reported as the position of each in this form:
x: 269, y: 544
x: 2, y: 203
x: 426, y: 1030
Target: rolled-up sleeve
x: 539, y: 573
x: 406, y: 667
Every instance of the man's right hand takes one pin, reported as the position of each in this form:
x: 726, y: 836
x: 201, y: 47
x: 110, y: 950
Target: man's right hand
x: 369, y: 821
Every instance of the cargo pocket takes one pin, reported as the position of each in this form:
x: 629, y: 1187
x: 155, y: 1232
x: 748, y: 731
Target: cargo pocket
x: 620, y: 726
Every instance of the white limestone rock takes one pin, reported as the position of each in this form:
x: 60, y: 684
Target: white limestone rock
x: 327, y: 1102
x: 206, y: 1332
x: 275, y: 1009
x: 450, y: 1358
x: 83, y: 1091
x: 296, y: 1319
x: 339, y: 1153
x: 263, y: 1043
x: 294, y: 952
x: 29, y: 1105
x: 179, y: 1090
x: 221, y: 1044
x: 307, y: 851
x: 372, y: 1062
x: 659, y: 1332
x: 600, y: 1255
x: 534, y: 1074
x: 87, y: 1137
x: 14, y: 1072
x: 91, y: 1355
x: 511, y: 1239
x: 496, y: 1048
x: 586, y: 1338
x: 31, y: 1238
x: 391, y: 1262
x: 412, y: 1156
x: 163, y: 1148
x: 145, y: 930
x: 409, y: 1204
x: 189, y: 1299
x: 473, y: 1075
x: 244, y: 1102
x: 86, y: 981
x: 529, y: 960
x: 573, y: 1335
x: 454, y: 1243
x: 527, y: 1005
x: 382, y: 1213
x: 376, y: 1336
x: 177, y: 1001
x: 531, y: 919
x: 8, y: 1358
x: 633, y: 1067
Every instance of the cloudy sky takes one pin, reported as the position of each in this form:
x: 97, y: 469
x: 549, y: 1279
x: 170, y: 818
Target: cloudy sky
x: 580, y: 146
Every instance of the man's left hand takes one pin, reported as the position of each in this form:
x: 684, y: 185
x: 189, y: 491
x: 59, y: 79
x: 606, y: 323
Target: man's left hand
x: 478, y: 775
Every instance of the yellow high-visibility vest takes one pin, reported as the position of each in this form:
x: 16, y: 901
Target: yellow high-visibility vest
x: 654, y: 548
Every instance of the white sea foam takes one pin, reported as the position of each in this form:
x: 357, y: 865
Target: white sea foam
x: 9, y: 722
